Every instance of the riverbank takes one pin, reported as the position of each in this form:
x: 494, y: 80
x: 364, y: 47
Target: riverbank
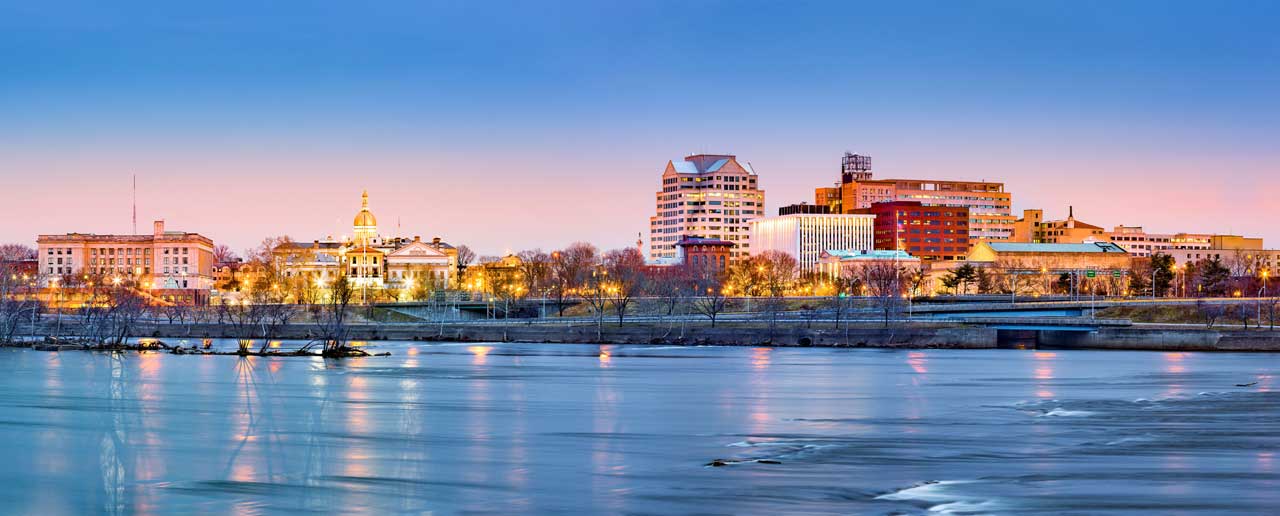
x: 916, y: 334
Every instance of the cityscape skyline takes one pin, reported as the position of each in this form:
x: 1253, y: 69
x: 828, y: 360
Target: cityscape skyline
x: 1110, y: 109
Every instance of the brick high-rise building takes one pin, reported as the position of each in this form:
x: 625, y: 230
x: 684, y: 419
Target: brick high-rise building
x: 989, y: 204
x: 710, y: 196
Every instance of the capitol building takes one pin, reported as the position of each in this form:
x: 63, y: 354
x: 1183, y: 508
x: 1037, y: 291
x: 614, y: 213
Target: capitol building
x: 370, y: 260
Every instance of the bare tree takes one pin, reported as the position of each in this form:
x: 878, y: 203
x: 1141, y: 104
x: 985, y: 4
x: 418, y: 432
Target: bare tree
x: 670, y: 285
x: 883, y: 281
x: 244, y: 318
x: 17, y: 301
x: 272, y: 310
x: 465, y: 258
x: 710, y: 297
x: 570, y: 269
x: 16, y: 253
x: 778, y: 272
x: 843, y: 286
x: 626, y: 278
x: 1210, y: 312
x: 596, y: 291
x: 535, y: 270
x: 125, y: 308
x: 176, y: 313
x: 331, y: 319
x: 222, y: 253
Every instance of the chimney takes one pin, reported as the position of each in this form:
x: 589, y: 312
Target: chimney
x: 417, y: 238
x: 436, y: 240
x: 159, y: 228
x: 1071, y: 212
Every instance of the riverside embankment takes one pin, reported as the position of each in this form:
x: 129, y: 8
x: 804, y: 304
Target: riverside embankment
x: 916, y: 334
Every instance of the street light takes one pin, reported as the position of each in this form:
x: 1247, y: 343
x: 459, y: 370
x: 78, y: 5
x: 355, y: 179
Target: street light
x: 1262, y: 292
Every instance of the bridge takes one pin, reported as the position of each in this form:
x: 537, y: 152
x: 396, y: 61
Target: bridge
x: 1075, y: 307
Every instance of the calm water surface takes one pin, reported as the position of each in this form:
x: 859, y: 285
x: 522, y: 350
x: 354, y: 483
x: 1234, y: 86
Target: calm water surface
x: 501, y: 428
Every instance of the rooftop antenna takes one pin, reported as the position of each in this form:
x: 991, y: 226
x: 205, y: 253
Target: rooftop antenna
x: 135, y: 204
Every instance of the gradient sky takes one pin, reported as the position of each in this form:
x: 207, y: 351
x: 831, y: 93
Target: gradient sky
x: 512, y: 125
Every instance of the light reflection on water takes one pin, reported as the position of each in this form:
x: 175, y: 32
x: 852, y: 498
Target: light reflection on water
x: 610, y: 429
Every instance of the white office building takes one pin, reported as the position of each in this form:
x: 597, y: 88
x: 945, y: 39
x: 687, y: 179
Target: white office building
x: 806, y: 235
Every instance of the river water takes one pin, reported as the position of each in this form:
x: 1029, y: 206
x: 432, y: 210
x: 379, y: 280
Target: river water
x: 525, y: 428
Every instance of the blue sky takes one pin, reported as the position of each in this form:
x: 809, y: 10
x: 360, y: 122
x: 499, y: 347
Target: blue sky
x: 464, y: 118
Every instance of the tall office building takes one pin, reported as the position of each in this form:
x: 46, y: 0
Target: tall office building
x: 990, y: 217
x: 712, y: 196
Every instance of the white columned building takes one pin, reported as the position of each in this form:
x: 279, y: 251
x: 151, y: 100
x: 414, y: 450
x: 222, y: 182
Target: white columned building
x: 807, y: 235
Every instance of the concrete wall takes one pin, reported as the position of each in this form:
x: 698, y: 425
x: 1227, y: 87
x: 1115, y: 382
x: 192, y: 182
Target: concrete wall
x: 916, y: 336
x: 1163, y: 340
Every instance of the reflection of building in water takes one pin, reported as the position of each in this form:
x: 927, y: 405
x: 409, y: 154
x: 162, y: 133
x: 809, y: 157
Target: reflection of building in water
x: 1044, y: 373
x: 478, y: 354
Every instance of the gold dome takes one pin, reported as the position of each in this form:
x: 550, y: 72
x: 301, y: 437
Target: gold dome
x: 364, y: 218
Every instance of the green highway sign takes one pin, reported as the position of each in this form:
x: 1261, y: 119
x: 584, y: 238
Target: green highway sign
x: 1117, y: 274
x: 1090, y: 273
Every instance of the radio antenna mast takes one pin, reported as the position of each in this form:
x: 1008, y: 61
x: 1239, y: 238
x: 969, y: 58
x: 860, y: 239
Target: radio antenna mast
x: 135, y: 204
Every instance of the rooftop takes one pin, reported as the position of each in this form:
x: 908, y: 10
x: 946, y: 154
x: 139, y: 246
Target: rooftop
x: 1091, y: 247
x: 878, y: 254
x: 707, y: 163
x: 704, y: 241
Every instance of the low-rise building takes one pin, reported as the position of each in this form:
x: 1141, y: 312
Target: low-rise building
x: 504, y: 276
x: 370, y: 260
x: 1095, y: 256
x: 1235, y: 242
x: 166, y: 266
x: 1067, y: 231
x: 1241, y: 262
x: 1024, y: 229
x: 840, y: 262
x: 1139, y: 243
x: 710, y: 253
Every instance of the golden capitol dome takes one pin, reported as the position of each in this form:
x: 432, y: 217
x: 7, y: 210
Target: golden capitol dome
x: 365, y: 219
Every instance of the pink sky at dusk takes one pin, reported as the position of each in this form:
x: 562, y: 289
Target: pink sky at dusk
x: 509, y: 202
x: 553, y: 125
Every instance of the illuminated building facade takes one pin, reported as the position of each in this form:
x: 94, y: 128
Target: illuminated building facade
x: 370, y: 259
x: 836, y: 263
x: 931, y: 233
x: 712, y: 196
x: 707, y: 253
x: 1069, y: 231
x: 807, y: 236
x: 989, y: 205
x: 1140, y: 243
x: 167, y: 266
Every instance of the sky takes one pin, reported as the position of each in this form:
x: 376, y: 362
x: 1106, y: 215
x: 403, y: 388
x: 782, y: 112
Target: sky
x: 513, y: 125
